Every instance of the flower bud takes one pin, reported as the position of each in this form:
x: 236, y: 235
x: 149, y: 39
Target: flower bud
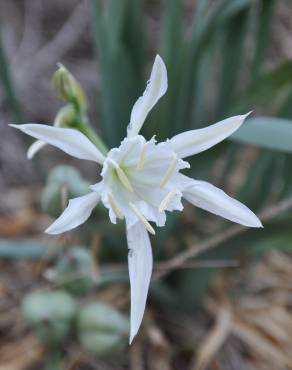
x: 49, y: 314
x: 101, y: 328
x: 74, y: 271
x: 65, y: 117
x: 69, y: 88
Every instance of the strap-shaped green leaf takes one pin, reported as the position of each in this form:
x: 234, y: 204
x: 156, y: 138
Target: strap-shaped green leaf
x: 8, y: 85
x: 267, y: 132
x: 270, y: 88
x: 264, y: 22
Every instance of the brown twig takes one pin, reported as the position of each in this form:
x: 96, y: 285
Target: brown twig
x: 218, y: 239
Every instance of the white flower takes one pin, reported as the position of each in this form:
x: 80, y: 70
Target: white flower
x: 141, y: 180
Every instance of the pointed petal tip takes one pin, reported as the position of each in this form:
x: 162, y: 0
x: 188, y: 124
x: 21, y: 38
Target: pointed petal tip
x: 140, y: 262
x: 254, y: 222
x: 15, y: 126
x: 70, y: 140
x: 50, y: 230
x: 244, y: 116
x: 131, y: 338
x: 159, y: 59
x: 259, y: 224
x: 156, y: 87
x: 133, y: 333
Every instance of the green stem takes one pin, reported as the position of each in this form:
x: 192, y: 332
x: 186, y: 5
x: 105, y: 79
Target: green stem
x: 92, y: 136
x: 54, y: 360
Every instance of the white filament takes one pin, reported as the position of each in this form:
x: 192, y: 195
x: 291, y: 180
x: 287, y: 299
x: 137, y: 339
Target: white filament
x: 142, y: 218
x: 169, y: 172
x: 166, y: 200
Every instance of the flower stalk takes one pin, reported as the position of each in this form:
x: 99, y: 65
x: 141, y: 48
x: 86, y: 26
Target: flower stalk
x: 83, y: 126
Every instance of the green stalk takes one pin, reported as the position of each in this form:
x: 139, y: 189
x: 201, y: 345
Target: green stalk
x: 92, y: 136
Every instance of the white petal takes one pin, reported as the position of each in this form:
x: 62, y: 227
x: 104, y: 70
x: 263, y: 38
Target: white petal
x: 34, y: 148
x: 204, y: 195
x: 196, y: 141
x: 155, y: 89
x: 140, y: 262
x: 69, y: 140
x: 77, y: 212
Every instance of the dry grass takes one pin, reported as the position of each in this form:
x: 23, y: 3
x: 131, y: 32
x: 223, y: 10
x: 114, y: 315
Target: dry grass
x: 253, y: 309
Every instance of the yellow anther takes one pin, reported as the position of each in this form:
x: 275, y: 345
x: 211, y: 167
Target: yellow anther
x: 122, y: 176
x: 169, y: 172
x: 142, y: 218
x: 115, y: 208
x: 166, y: 200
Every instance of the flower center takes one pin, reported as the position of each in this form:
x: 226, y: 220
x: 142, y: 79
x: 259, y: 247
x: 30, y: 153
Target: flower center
x: 141, y: 181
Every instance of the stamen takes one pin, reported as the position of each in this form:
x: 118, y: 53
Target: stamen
x: 141, y: 162
x: 115, y: 208
x: 122, y: 176
x: 165, y: 201
x: 142, y: 218
x: 169, y: 172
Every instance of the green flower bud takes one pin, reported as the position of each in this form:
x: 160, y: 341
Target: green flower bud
x: 101, y: 328
x: 49, y: 314
x: 65, y: 117
x: 60, y: 176
x: 74, y: 271
x: 69, y: 88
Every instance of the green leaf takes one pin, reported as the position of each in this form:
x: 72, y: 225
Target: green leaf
x: 8, y: 86
x: 267, y: 132
x: 134, y: 38
x: 232, y: 52
x: 203, y: 33
x: 256, y: 185
x: 119, y: 82
x: 266, y: 90
x: 264, y: 22
x: 114, y: 21
x: 281, y: 241
x: 286, y: 178
x: 171, y: 50
x: 230, y: 9
x: 24, y: 249
x: 285, y: 111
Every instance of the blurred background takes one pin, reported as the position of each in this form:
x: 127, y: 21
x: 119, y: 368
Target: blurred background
x: 221, y: 294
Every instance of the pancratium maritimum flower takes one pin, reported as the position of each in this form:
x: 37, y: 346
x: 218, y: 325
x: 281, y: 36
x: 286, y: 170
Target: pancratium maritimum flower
x: 141, y: 180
